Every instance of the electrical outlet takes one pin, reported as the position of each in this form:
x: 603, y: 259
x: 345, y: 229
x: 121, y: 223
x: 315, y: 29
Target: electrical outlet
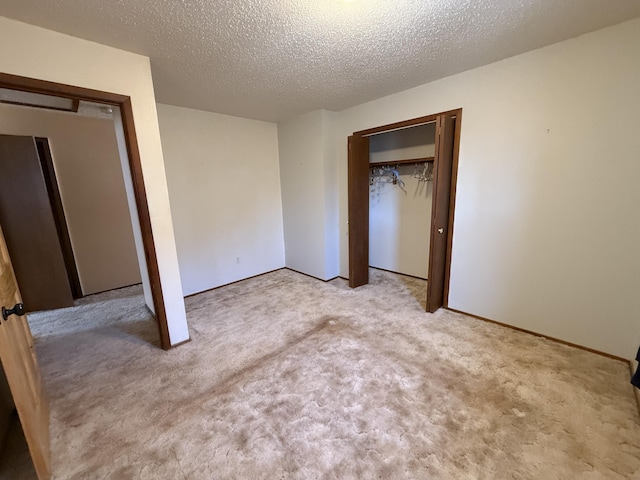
x: 237, y: 259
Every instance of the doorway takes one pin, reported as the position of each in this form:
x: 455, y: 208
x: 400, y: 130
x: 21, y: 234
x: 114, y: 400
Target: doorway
x: 445, y: 166
x: 125, y: 119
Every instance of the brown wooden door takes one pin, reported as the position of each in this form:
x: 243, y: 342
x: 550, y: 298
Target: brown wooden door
x: 21, y: 369
x: 443, y: 163
x: 358, y: 210
x: 29, y: 227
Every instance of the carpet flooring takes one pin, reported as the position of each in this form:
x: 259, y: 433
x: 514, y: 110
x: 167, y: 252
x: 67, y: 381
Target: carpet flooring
x: 287, y: 377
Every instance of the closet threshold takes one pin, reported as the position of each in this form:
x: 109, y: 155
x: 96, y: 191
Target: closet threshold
x: 408, y: 161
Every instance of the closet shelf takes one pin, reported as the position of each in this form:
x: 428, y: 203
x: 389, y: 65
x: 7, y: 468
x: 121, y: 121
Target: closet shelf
x: 408, y: 161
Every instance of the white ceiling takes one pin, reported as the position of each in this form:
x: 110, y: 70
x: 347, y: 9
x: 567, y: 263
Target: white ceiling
x: 272, y: 59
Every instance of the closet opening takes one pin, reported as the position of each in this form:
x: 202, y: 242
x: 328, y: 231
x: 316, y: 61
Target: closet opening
x: 402, y: 184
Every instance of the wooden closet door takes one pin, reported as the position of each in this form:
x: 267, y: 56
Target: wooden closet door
x: 29, y: 227
x: 358, y: 210
x: 443, y: 164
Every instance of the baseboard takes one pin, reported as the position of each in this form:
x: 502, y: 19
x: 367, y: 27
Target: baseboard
x: 234, y: 282
x: 398, y: 273
x: 310, y: 276
x: 536, y: 334
x: 109, y: 290
x: 256, y: 276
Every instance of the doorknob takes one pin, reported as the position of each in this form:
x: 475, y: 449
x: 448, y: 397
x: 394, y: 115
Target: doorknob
x: 441, y: 230
x: 18, y: 309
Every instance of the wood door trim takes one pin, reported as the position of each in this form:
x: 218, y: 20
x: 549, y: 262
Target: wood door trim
x: 457, y: 114
x: 48, y: 170
x: 414, y: 122
x: 33, y: 85
x: 140, y: 194
x: 124, y: 103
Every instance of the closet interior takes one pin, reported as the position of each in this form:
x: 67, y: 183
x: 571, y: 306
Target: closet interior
x: 400, y: 199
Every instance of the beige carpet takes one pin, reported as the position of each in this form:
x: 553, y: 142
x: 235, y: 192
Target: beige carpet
x: 290, y: 377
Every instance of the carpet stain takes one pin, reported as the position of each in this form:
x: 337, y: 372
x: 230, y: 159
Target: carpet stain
x: 290, y: 378
x: 328, y: 325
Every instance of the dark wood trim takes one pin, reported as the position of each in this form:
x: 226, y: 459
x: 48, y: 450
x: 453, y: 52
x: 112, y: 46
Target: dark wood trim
x: 440, y: 212
x: 407, y: 161
x: 414, y: 122
x: 57, y: 208
x: 76, y: 105
x: 113, y: 289
x: 131, y: 140
x: 124, y: 102
x: 26, y: 84
x: 237, y: 281
x: 452, y: 208
x: 310, y: 276
x: 541, y: 335
x: 398, y: 273
x: 457, y: 115
x: 260, y: 275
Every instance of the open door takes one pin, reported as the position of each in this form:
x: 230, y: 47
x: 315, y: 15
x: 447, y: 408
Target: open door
x: 442, y: 170
x: 21, y: 368
x: 442, y: 210
x: 29, y: 226
x: 358, y: 210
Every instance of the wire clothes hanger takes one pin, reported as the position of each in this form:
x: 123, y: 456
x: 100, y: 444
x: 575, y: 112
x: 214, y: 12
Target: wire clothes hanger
x: 424, y: 174
x: 385, y: 174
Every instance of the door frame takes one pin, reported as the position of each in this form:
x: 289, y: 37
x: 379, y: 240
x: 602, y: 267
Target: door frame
x: 55, y: 199
x: 32, y: 85
x: 414, y: 122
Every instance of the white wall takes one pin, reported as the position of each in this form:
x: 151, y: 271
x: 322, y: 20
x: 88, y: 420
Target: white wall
x: 308, y: 174
x: 72, y: 61
x: 331, y: 200
x: 133, y: 207
x: 87, y: 165
x: 400, y: 216
x: 547, y: 230
x: 224, y: 186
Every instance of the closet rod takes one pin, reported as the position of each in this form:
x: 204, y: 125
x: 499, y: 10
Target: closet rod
x: 408, y: 161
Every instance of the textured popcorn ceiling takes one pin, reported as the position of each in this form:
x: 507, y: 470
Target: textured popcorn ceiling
x: 271, y: 59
